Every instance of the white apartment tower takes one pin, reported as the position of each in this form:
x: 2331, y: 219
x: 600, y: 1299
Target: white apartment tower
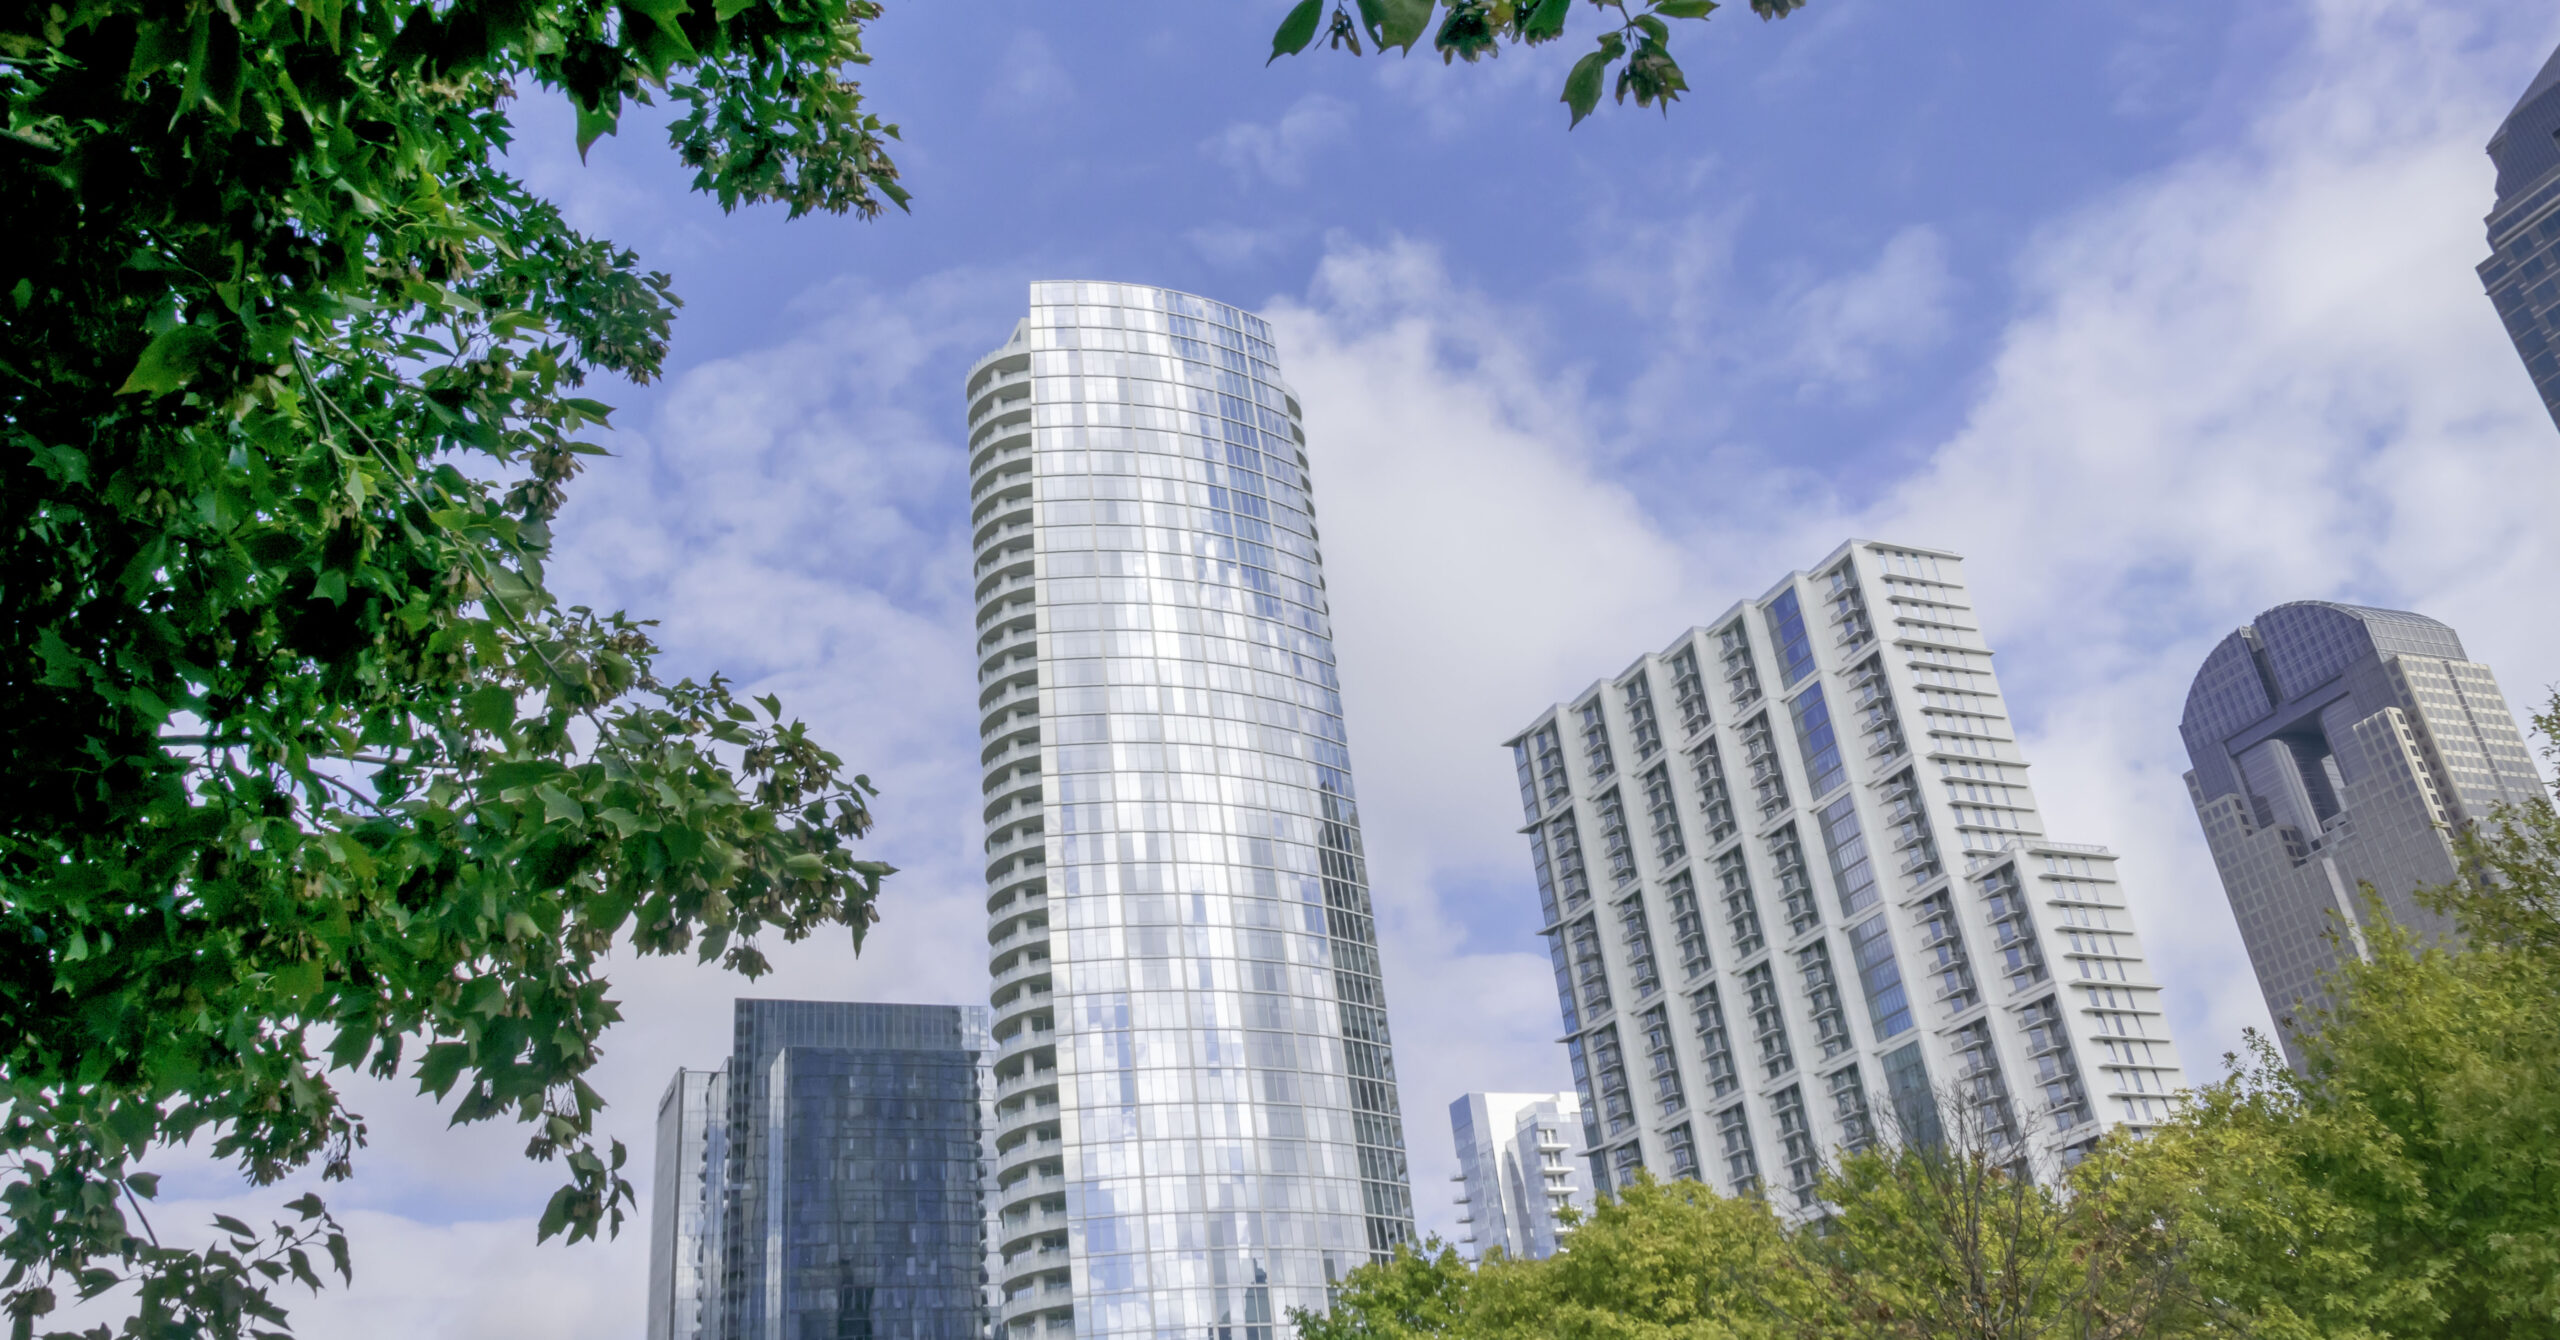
x: 1796, y: 888
x: 1520, y: 1165
x: 1196, y: 1111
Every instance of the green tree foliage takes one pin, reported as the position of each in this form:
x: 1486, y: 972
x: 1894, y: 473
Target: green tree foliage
x: 1965, y: 1239
x: 1634, y: 41
x: 1660, y: 1261
x: 305, y: 771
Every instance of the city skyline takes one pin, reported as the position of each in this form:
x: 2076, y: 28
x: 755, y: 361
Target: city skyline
x: 2160, y: 322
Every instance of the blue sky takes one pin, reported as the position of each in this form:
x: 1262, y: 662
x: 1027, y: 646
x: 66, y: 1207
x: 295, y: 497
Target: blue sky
x: 2161, y: 314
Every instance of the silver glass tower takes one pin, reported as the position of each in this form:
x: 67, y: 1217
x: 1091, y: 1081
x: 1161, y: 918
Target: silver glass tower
x: 2522, y: 273
x: 2333, y: 746
x: 1197, y: 1125
x: 1796, y: 888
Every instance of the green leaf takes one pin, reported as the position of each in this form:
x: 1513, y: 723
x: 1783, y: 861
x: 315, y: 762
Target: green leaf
x: 558, y: 806
x: 492, y: 709
x: 1582, y: 85
x: 169, y: 362
x: 1404, y: 22
x: 442, y: 1064
x: 298, y: 982
x: 1685, y: 9
x: 1298, y: 29
x: 1545, y: 21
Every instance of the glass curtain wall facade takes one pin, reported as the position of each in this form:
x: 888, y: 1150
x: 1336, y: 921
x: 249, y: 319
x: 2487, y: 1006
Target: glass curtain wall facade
x: 830, y: 1182
x: 1520, y: 1162
x: 2334, y: 746
x: 2522, y: 274
x: 1799, y: 897
x: 1197, y: 1125
x: 692, y: 1131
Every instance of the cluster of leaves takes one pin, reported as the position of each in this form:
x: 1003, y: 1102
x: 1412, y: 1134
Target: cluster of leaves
x: 302, y: 769
x: 2404, y: 1183
x: 1634, y: 41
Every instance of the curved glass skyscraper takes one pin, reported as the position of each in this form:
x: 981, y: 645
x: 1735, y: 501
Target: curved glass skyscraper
x: 1196, y: 1109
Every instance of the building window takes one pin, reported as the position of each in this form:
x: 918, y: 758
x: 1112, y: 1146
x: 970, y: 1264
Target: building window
x: 1714, y: 800
x: 1888, y: 1005
x: 1871, y: 702
x: 2057, y: 1071
x: 1588, y: 968
x: 2013, y: 929
x: 1741, y: 1166
x: 1942, y: 949
x: 1851, y: 872
x: 1643, y: 978
x: 1741, y: 679
x: 1822, y: 999
x: 1613, y: 837
x: 1663, y: 812
x: 1849, y: 610
x: 1546, y: 877
x: 1557, y: 953
x: 1715, y: 1043
x: 1760, y: 759
x: 1617, y: 1104
x: 1689, y: 925
x: 1821, y: 746
x: 1595, y: 740
x: 1553, y: 782
x: 1979, y: 1086
x: 1661, y: 1058
x: 1626, y: 1164
x: 1564, y: 842
x: 1849, y: 1106
x: 1795, y: 883
x: 1915, y: 850
x: 1691, y: 688
x: 1683, y: 1147
x: 1786, y: 631
x: 1741, y: 914
x: 1915, y: 1103
x: 1641, y: 725
x: 1768, y: 1022
x: 1795, y: 1138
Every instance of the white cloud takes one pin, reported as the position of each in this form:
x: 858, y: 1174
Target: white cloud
x: 1029, y: 81
x: 1279, y: 152
x: 1847, y: 324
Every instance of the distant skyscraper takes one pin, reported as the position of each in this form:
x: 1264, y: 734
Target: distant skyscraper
x: 831, y: 1182
x: 2334, y: 744
x: 1197, y: 1125
x: 2522, y: 273
x: 692, y: 1128
x: 1795, y: 884
x: 1520, y: 1160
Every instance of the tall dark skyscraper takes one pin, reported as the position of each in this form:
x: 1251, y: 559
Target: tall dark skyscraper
x: 2522, y: 273
x: 2335, y: 745
x: 830, y: 1183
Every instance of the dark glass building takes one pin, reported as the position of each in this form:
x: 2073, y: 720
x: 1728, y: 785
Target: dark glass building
x: 840, y: 1169
x: 2522, y: 273
x: 2336, y: 746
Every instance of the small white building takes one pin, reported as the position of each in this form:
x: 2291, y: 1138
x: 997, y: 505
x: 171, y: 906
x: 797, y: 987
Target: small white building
x: 1520, y: 1161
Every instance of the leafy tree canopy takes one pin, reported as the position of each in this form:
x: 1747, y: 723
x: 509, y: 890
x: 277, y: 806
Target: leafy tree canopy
x: 1634, y: 40
x: 304, y: 770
